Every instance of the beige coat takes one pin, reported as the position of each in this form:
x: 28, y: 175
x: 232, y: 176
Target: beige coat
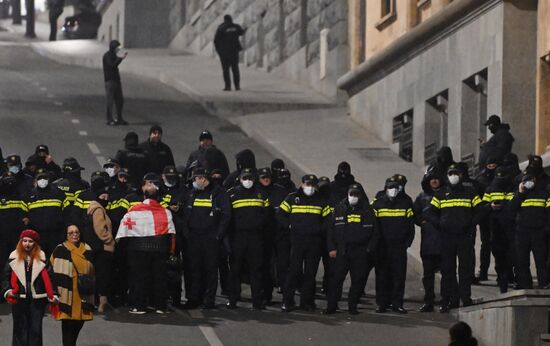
x: 102, y: 226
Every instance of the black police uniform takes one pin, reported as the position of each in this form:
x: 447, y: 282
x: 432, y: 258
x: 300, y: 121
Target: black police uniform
x: 455, y: 210
x: 250, y: 214
x: 207, y: 216
x: 134, y: 159
x: 305, y: 217
x: 395, y: 217
x: 353, y: 233
x: 159, y: 155
x: 71, y: 185
x: 531, y: 210
x: 13, y: 210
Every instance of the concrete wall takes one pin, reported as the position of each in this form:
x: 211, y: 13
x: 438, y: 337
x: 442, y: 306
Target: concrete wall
x: 543, y: 78
x: 284, y: 36
x: 485, y: 42
x: 111, y: 28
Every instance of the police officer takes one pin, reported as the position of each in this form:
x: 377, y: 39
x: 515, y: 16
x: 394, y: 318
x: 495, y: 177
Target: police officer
x: 497, y: 195
x: 71, y: 184
x: 394, y: 213
x: 208, y: 155
x: 304, y: 214
x: 342, y: 180
x: 134, y: 159
x: 455, y: 210
x: 250, y: 206
x: 158, y: 153
x: 430, y: 246
x: 351, y: 240
x: 531, y: 208
x: 84, y: 198
x: 48, y: 162
x: 207, y: 216
x: 23, y: 181
x: 243, y: 159
x: 112, y: 167
x: 226, y: 42
x: 45, y: 204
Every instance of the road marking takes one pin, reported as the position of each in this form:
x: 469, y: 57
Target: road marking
x: 58, y: 103
x: 208, y: 332
x: 83, y: 133
x: 43, y: 88
x: 101, y: 160
x: 75, y: 121
x: 94, y: 149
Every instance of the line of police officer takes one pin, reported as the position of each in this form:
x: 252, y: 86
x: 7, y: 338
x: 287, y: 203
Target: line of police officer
x: 276, y: 234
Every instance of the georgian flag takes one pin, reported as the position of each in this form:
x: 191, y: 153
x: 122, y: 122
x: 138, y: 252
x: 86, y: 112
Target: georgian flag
x: 145, y: 220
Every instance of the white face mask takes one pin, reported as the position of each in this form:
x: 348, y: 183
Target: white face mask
x: 247, y: 184
x: 196, y: 186
x: 529, y: 184
x: 14, y: 169
x: 110, y: 171
x: 392, y: 193
x: 353, y: 200
x: 42, y: 183
x: 454, y: 179
x: 308, y: 190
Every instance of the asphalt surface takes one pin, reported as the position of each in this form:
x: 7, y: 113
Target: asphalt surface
x: 42, y: 102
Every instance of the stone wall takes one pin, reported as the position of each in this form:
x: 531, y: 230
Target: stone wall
x: 283, y: 36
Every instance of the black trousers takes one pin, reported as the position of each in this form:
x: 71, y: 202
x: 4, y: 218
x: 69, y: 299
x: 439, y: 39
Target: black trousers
x: 223, y: 268
x: 455, y: 246
x: 358, y: 263
x: 53, y: 16
x: 485, y: 249
x: 527, y: 241
x: 268, y: 267
x: 247, y: 250
x: 305, y: 254
x: 103, y: 265
x: 502, y: 240
x: 393, y: 274
x: 120, y: 272
x: 431, y: 264
x: 282, y: 260
x: 70, y: 330
x: 114, y: 97
x: 149, y: 279
x: 27, y: 322
x: 231, y: 62
x: 202, y: 253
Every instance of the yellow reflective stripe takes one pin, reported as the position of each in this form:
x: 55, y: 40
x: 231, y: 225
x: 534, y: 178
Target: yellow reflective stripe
x: 241, y: 203
x: 45, y: 203
x: 534, y: 202
x: 509, y: 196
x: 199, y: 202
x: 435, y: 202
x: 393, y: 212
x: 487, y: 197
x: 326, y: 211
x: 410, y: 212
x: 548, y: 203
x: 285, y: 206
x: 131, y: 204
x: 354, y: 218
x: 496, y: 196
x: 14, y: 205
x: 82, y: 204
x: 120, y: 203
x: 476, y: 201
x: 306, y: 209
x: 66, y: 203
x: 460, y: 202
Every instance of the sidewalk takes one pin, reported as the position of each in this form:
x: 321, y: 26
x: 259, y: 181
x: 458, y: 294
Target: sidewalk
x: 289, y: 120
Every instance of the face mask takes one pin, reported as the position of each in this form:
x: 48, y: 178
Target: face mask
x: 110, y: 171
x: 353, y: 200
x: 169, y: 182
x: 42, y: 183
x: 14, y: 169
x: 392, y: 193
x: 309, y: 190
x: 454, y: 179
x: 247, y: 184
x: 217, y: 181
x: 196, y: 186
x: 529, y: 184
x: 104, y: 202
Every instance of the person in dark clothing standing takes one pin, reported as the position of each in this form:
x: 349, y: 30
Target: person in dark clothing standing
x: 244, y: 159
x: 55, y: 9
x: 23, y: 181
x: 47, y: 162
x: 134, y: 159
x: 228, y: 46
x: 113, y: 86
x: 207, y: 156
x: 342, y: 180
x: 72, y: 185
x: 158, y: 153
x: 444, y: 158
x: 430, y: 245
x: 500, y: 142
x: 352, y: 239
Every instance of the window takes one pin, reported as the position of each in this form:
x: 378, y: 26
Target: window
x: 403, y: 134
x: 387, y: 7
x: 435, y: 126
x: 387, y: 14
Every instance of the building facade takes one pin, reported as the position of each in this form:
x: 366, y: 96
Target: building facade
x: 427, y: 73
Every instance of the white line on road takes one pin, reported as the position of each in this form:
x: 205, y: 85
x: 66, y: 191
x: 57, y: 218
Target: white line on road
x: 75, y: 121
x: 43, y: 88
x: 83, y: 133
x: 94, y: 149
x: 101, y: 160
x: 207, y: 331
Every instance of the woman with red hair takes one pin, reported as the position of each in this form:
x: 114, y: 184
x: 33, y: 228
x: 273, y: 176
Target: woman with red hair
x: 28, y: 288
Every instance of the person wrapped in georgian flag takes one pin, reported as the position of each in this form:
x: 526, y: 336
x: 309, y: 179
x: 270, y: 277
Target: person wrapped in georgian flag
x: 150, y: 237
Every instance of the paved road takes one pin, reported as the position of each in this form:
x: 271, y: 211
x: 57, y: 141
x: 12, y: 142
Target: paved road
x: 43, y: 102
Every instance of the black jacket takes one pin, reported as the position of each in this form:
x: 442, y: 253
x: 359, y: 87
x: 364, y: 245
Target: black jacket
x: 159, y: 155
x: 226, y: 39
x: 498, y: 145
x: 12, y: 211
x: 110, y: 66
x: 46, y: 209
x: 136, y: 162
x: 339, y: 188
x: 303, y: 216
x: 395, y: 218
x: 244, y: 159
x: 71, y: 186
x: 531, y: 210
x: 251, y: 208
x: 207, y: 211
x: 210, y: 158
x: 430, y: 243
x: 276, y: 194
x: 352, y: 226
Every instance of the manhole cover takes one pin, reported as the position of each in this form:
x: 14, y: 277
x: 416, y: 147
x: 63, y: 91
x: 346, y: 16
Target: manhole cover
x: 376, y: 154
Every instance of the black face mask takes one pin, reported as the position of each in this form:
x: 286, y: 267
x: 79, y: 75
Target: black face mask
x: 102, y: 202
x: 151, y: 195
x: 493, y: 128
x: 217, y: 181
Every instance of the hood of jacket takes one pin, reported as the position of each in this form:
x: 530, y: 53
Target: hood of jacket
x: 245, y: 159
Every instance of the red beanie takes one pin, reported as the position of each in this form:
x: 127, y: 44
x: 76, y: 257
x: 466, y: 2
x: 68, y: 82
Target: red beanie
x: 29, y: 233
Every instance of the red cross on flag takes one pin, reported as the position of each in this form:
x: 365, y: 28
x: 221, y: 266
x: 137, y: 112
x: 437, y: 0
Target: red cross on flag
x: 146, y: 219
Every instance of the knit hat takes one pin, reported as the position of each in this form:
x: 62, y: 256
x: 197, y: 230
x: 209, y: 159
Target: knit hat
x: 29, y: 233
